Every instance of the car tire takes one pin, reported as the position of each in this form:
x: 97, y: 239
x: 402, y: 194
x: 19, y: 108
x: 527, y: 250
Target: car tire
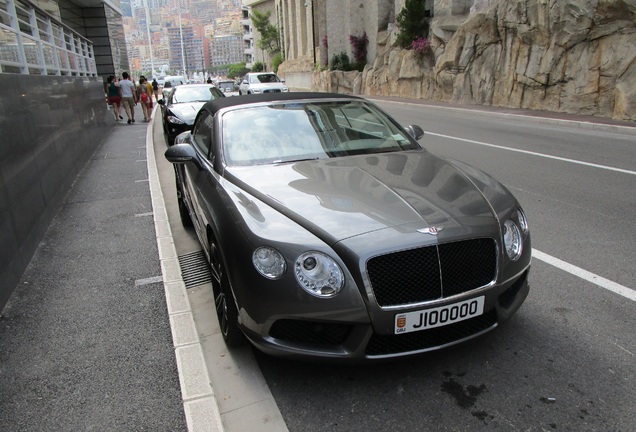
x: 226, y: 311
x: 166, y: 136
x: 186, y: 220
x: 184, y: 214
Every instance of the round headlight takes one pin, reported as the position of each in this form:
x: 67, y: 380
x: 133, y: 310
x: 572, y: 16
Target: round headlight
x: 512, y: 240
x: 319, y: 274
x: 523, y: 221
x: 269, y: 262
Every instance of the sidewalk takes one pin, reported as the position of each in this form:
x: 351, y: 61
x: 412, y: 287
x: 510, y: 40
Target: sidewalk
x: 84, y: 340
x: 101, y: 333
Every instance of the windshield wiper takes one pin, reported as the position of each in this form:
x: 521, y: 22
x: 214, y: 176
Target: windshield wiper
x: 296, y: 160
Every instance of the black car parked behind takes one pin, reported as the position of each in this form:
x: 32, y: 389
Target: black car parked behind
x: 181, y: 106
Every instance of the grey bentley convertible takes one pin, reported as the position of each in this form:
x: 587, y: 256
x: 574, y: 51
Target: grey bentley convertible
x: 332, y: 233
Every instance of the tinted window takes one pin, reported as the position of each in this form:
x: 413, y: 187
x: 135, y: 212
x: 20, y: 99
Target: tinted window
x: 202, y: 133
x: 264, y: 78
x: 226, y: 86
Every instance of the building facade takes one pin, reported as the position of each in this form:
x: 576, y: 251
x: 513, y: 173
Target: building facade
x: 226, y: 50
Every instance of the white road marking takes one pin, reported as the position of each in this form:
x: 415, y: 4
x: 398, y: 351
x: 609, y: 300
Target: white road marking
x: 624, y: 349
x: 605, y: 167
x: 148, y: 281
x: 571, y: 123
x: 628, y: 293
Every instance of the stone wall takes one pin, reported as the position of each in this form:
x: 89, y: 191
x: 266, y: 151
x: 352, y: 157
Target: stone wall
x: 574, y: 56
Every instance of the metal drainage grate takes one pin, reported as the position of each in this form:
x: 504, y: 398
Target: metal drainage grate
x: 195, y: 269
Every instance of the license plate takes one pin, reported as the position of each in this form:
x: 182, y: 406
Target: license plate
x: 439, y: 316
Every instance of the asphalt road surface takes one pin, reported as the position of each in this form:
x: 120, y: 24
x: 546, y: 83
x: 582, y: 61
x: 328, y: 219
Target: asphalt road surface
x: 567, y: 360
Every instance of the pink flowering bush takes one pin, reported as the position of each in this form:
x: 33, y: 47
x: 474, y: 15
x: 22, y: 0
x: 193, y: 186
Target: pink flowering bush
x: 421, y: 45
x: 359, y: 46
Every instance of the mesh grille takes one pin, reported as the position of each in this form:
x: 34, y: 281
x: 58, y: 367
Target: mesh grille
x: 310, y: 332
x: 394, y: 282
x: 464, y: 265
x: 435, y: 337
x: 508, y: 296
x: 467, y: 265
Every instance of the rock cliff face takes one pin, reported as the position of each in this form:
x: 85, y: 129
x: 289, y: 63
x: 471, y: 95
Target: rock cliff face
x: 574, y: 56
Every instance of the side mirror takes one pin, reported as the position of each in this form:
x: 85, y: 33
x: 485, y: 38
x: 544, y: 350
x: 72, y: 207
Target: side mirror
x: 161, y: 101
x: 244, y: 82
x: 181, y: 154
x: 415, y: 131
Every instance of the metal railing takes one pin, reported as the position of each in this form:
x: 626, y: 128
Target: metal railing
x: 33, y: 42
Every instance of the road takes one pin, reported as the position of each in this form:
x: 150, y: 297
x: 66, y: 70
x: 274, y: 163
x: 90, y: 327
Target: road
x: 567, y: 360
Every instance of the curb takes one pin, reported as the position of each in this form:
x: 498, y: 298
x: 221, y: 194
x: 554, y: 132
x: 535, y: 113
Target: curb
x: 199, y: 403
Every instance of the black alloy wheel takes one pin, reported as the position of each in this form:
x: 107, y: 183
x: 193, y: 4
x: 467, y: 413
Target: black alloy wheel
x: 184, y: 214
x: 166, y: 135
x: 226, y: 311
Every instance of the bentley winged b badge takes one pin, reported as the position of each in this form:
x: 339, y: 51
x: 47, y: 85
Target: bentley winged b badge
x: 431, y: 230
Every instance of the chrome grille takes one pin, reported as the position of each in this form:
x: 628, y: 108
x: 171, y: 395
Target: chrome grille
x: 432, y: 272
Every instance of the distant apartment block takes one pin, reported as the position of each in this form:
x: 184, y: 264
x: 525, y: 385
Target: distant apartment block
x: 225, y: 50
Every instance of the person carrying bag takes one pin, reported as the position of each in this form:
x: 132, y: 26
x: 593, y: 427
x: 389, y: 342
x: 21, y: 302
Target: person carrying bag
x: 144, y: 91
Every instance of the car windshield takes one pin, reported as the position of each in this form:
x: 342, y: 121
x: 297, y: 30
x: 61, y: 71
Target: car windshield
x: 290, y: 132
x: 184, y: 94
x: 264, y: 78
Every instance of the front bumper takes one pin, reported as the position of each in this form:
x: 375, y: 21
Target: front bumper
x: 332, y: 340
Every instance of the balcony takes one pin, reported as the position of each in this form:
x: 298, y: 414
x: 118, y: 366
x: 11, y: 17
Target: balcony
x: 35, y: 43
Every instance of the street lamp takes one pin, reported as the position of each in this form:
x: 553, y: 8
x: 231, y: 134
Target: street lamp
x: 152, y: 64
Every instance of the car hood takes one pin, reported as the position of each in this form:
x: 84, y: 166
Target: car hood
x: 347, y: 197
x: 186, y: 111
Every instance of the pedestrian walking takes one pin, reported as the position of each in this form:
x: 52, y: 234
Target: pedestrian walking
x: 128, y: 96
x: 114, y: 97
x: 144, y: 95
x: 155, y: 89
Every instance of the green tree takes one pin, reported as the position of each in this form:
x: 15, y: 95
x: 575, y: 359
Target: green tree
x: 340, y: 62
x: 270, y: 38
x: 237, y: 70
x: 258, y: 67
x: 413, y: 21
x: 276, y: 61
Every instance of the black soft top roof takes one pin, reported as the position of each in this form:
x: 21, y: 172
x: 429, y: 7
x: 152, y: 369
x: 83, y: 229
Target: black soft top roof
x: 216, y: 104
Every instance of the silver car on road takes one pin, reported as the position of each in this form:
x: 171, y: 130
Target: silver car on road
x: 332, y: 233
x: 262, y: 82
